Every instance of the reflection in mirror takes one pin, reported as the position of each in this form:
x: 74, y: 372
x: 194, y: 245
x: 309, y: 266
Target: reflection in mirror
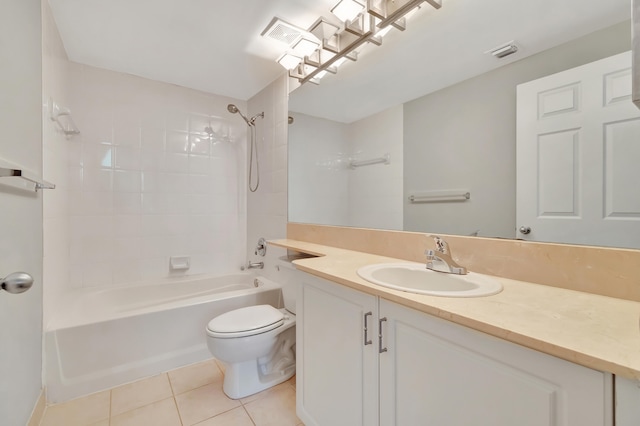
x: 459, y: 139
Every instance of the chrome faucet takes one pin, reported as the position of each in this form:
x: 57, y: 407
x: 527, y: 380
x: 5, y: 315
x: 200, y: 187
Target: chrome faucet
x: 440, y: 259
x: 255, y: 265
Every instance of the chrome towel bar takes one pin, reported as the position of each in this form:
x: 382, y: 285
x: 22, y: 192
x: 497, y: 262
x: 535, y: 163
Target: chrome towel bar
x: 40, y: 184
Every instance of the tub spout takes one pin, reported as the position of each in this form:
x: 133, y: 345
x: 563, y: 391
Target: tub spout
x: 255, y: 265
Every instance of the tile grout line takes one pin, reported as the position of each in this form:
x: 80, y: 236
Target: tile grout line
x: 250, y: 418
x: 175, y: 401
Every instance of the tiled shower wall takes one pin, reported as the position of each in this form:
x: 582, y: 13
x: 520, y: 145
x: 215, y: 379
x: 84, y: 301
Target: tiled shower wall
x: 55, y: 207
x: 267, y: 207
x: 146, y: 180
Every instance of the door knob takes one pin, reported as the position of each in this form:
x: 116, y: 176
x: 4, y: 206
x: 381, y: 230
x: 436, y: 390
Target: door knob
x: 18, y: 282
x: 525, y: 230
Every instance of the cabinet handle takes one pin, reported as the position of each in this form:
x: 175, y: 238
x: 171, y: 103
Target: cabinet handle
x: 367, y: 341
x: 380, y: 321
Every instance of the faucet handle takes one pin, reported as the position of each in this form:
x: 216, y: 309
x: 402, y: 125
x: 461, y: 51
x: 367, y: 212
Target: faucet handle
x: 431, y: 255
x: 261, y: 247
x: 441, y: 245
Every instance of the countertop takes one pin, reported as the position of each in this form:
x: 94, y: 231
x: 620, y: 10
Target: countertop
x: 595, y: 331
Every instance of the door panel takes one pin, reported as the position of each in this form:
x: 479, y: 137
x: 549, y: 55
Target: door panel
x: 437, y: 373
x: 337, y: 373
x: 578, y: 147
x: 21, y: 212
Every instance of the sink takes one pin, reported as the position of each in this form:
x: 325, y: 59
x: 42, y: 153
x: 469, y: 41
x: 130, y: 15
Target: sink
x: 416, y: 278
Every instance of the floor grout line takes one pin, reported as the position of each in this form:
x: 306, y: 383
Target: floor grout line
x: 175, y: 402
x: 250, y: 418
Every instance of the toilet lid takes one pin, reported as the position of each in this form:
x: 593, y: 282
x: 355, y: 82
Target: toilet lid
x: 245, y: 322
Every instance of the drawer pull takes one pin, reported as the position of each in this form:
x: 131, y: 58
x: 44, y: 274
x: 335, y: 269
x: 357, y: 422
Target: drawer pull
x: 381, y: 350
x: 367, y: 341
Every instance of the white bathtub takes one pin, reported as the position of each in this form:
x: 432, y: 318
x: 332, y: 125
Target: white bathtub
x: 106, y: 337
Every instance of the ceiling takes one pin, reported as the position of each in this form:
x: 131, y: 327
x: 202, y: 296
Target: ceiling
x: 215, y: 45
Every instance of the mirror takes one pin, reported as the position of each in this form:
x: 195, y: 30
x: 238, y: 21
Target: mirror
x: 440, y: 124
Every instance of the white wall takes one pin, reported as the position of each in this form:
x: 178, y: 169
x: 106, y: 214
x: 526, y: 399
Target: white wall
x: 464, y: 137
x: 375, y: 191
x: 145, y: 184
x: 267, y: 207
x: 21, y: 213
x: 318, y: 171
x: 325, y: 190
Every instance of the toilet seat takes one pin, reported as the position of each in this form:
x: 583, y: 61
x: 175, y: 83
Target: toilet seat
x: 245, y: 322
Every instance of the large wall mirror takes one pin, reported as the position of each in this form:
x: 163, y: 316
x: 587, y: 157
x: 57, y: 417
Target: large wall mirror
x: 430, y: 114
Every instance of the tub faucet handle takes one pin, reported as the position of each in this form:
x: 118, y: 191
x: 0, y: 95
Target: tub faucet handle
x: 261, y: 247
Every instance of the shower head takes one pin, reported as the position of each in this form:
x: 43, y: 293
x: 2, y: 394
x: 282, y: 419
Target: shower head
x: 234, y: 110
x: 250, y: 121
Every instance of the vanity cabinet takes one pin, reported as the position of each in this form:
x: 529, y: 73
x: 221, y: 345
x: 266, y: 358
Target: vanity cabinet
x: 410, y: 368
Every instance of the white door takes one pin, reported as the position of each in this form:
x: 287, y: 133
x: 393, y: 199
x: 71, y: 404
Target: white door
x: 337, y: 373
x: 21, y: 209
x: 578, y: 156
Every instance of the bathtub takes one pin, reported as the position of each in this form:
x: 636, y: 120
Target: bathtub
x: 107, y: 337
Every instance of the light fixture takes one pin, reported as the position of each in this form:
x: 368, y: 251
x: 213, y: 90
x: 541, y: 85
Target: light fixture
x: 347, y: 10
x: 325, y: 46
x: 289, y: 61
x: 305, y: 47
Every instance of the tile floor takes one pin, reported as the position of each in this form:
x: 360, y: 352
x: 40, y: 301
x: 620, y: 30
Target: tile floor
x: 188, y: 396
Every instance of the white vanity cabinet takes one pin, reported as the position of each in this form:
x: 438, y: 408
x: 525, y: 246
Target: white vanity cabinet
x: 427, y: 371
x: 336, y: 372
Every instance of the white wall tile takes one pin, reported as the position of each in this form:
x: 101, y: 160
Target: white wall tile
x: 127, y: 181
x: 128, y: 157
x: 127, y: 203
x: 142, y: 181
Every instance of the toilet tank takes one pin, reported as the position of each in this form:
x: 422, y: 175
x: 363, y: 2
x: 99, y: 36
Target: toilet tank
x: 288, y: 277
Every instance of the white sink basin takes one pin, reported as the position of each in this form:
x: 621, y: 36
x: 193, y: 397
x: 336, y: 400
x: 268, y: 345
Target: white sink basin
x: 416, y: 278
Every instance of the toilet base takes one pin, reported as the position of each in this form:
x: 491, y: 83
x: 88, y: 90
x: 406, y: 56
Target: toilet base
x: 240, y: 383
x: 242, y: 379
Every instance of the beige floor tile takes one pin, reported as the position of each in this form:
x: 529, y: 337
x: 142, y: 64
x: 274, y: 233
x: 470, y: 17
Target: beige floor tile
x: 138, y: 394
x: 277, y: 408
x: 264, y: 393
x: 292, y: 381
x: 221, y: 365
x: 79, y: 412
x: 236, y: 417
x: 204, y: 402
x: 193, y: 376
x: 160, y: 413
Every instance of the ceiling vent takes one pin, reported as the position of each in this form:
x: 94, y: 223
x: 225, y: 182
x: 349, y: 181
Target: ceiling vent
x: 282, y: 31
x: 503, y: 50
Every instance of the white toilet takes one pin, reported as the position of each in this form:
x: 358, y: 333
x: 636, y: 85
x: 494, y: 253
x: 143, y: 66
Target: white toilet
x: 257, y: 345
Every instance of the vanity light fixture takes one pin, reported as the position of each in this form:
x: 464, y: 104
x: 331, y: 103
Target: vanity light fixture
x: 289, y: 61
x: 347, y: 10
x: 327, y: 44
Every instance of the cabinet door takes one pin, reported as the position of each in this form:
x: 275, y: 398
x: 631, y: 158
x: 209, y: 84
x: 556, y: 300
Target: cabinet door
x: 443, y: 374
x: 337, y: 374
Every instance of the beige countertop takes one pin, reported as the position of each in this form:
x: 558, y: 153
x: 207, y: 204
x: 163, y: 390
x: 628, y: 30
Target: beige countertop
x: 595, y: 331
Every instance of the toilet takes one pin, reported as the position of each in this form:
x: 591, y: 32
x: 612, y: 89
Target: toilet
x: 256, y: 344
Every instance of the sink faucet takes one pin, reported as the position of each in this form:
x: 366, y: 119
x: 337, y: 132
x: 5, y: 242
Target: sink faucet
x: 440, y: 259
